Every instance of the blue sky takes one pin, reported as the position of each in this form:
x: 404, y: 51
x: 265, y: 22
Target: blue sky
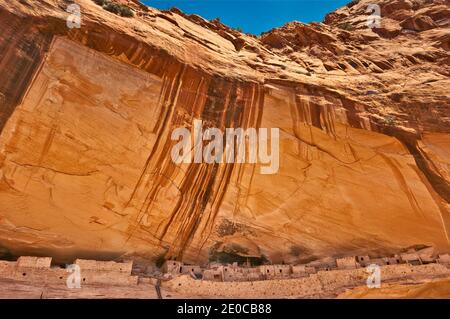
x: 254, y: 16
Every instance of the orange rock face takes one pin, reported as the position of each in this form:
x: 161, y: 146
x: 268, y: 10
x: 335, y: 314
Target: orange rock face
x: 87, y: 114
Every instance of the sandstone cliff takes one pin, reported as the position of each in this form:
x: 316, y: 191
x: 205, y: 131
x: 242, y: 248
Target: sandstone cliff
x: 86, y: 116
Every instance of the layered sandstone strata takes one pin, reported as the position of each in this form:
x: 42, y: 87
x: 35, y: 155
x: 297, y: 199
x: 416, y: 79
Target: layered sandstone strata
x: 87, y: 114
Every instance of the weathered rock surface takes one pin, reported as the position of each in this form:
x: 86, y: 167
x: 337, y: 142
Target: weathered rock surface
x: 86, y: 117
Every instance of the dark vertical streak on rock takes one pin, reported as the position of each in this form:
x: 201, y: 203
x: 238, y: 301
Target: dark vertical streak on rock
x: 22, y: 49
x: 439, y: 184
x: 217, y: 102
